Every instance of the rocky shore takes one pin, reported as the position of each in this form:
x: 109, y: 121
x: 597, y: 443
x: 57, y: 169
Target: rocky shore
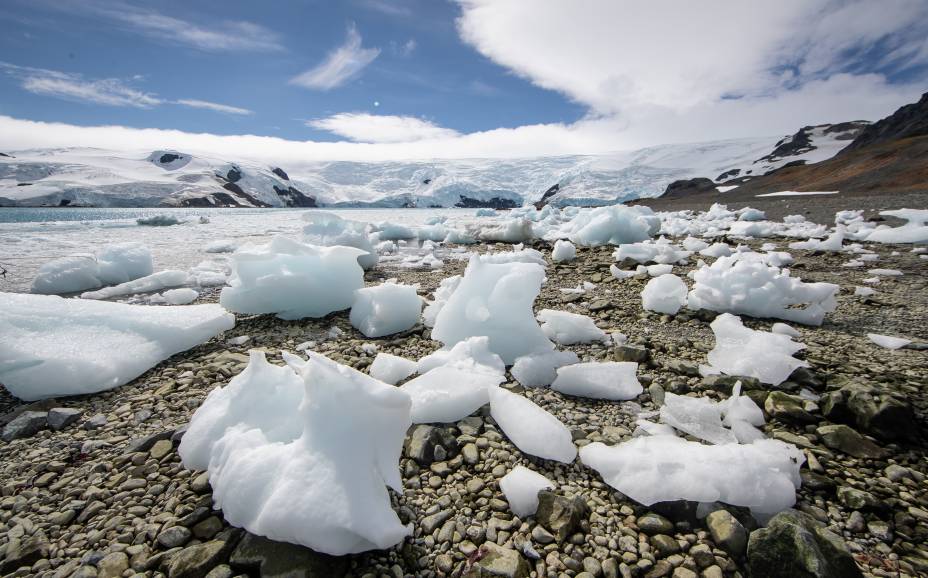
x: 93, y: 486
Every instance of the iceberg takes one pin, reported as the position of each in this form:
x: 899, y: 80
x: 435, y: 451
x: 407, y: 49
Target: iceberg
x: 742, y: 351
x: 563, y: 251
x: 292, y: 279
x: 148, y: 284
x: 449, y: 393
x: 385, y: 309
x: 495, y: 300
x: 569, y: 328
x: 612, y: 380
x: 52, y: 346
x: 304, y: 454
x: 612, y: 225
x: 113, y: 264
x: 330, y: 230
x: 540, y: 369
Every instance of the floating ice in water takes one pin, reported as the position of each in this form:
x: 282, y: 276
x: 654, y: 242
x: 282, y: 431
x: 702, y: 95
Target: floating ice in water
x: 784, y: 329
x: 110, y: 265
x: 533, y: 430
x: 473, y: 353
x: 563, y: 251
x: 742, y: 351
x: 540, y: 369
x: 569, y: 328
x: 698, y: 416
x: 485, y: 212
x: 762, y: 476
x: 832, y: 243
x: 441, y: 295
x: 885, y: 272
x: 329, y: 230
x: 387, y: 231
x: 914, y: 231
x: 613, y: 380
x: 716, y: 250
x: 659, y: 251
x: 509, y: 231
x: 863, y: 291
x: 293, y: 279
x: 495, y: 300
x: 612, y: 225
x: 181, y: 296
x: 384, y: 309
x: 664, y: 294
x: 154, y: 282
x: 304, y: 460
x: 211, y: 273
x: 221, y: 246
x: 749, y: 214
x: 158, y: 221
x: 459, y: 237
x: 521, y: 487
x: 391, y: 368
x: 751, y: 287
x: 53, y: 346
x: 887, y: 341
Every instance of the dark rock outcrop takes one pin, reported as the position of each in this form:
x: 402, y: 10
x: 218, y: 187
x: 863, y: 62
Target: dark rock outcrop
x: 234, y: 174
x: 293, y: 197
x: 909, y: 121
x: 280, y: 173
x: 260, y: 556
x: 494, y: 203
x: 552, y: 190
x: 886, y: 416
x: 686, y: 187
x: 169, y: 158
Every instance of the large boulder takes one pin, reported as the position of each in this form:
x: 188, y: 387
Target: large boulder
x: 846, y: 439
x: 499, y: 562
x: 685, y: 187
x: 264, y: 557
x: 426, y: 444
x: 559, y: 514
x: 795, y: 545
x: 886, y: 416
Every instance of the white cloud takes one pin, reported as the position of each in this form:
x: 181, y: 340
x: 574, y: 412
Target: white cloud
x: 107, y: 91
x: 379, y: 128
x: 341, y: 65
x: 217, y: 36
x: 213, y: 106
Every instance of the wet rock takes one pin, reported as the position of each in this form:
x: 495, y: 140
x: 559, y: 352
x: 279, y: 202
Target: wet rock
x: 112, y: 565
x: 267, y: 558
x: 726, y: 383
x: 794, y: 545
x: 61, y: 417
x: 630, y: 353
x: 787, y: 408
x: 559, y: 514
x: 846, y: 439
x: 727, y: 532
x: 652, y: 523
x: 174, y: 537
x: 424, y: 440
x: 884, y: 415
x: 855, y: 499
x: 195, y: 561
x: 23, y: 552
x: 25, y: 425
x: 497, y: 561
x: 145, y: 443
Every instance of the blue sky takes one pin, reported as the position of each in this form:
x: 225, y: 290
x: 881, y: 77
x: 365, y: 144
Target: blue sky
x: 392, y: 79
x: 421, y: 67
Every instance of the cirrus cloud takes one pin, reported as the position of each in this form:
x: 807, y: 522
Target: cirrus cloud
x: 381, y: 128
x: 341, y: 65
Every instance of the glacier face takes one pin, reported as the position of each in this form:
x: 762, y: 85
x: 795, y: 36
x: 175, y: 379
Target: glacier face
x: 86, y: 176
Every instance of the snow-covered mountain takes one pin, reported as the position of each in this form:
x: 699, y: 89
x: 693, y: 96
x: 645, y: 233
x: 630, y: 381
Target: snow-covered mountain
x: 84, y: 176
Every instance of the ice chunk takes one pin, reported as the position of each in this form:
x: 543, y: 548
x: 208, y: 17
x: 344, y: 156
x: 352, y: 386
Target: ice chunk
x: 863, y: 291
x: 914, y: 231
x: 394, y: 231
x: 330, y: 230
x: 664, y: 294
x: 53, y: 346
x: 613, y: 380
x: 887, y: 341
x: 495, y: 300
x: 391, y: 368
x: 694, y: 244
x: 569, y: 328
x: 110, y: 265
x: 660, y: 251
x: 621, y: 274
x: 509, y: 231
x: 449, y: 393
x: 309, y: 467
x: 716, y: 250
x: 885, y: 272
x: 750, y: 287
x: 742, y: 351
x: 831, y: 244
x: 439, y: 298
x: 158, y: 221
x: 698, y: 416
x: 485, y: 212
x: 519, y: 255
x: 613, y: 225
x: 762, y: 476
x: 563, y: 251
x: 221, y: 246
x: 154, y: 282
x: 385, y: 309
x: 293, y: 279
x: 473, y: 353
x: 533, y: 430
x: 540, y: 369
x: 784, y: 329
x: 180, y: 296
x: 521, y: 487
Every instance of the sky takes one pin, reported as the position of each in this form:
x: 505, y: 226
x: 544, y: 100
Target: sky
x: 400, y: 79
